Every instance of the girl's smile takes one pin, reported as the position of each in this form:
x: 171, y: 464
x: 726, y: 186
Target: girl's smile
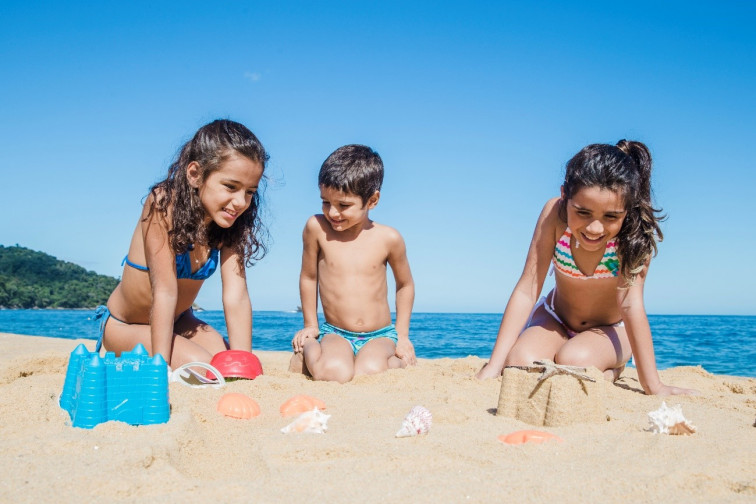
x: 228, y: 191
x: 595, y: 216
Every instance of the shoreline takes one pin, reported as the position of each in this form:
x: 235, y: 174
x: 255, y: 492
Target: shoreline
x: 200, y: 455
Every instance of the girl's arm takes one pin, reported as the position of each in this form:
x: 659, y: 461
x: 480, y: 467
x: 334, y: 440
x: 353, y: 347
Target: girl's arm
x: 237, y: 307
x: 630, y: 300
x: 405, y: 296
x: 161, y: 261
x: 308, y: 284
x: 525, y: 293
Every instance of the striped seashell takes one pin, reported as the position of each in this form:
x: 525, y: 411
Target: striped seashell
x: 417, y: 421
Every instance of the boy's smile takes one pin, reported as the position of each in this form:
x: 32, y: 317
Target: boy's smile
x: 343, y: 210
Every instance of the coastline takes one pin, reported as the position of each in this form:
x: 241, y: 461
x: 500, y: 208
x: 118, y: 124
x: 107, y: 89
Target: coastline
x: 199, y: 455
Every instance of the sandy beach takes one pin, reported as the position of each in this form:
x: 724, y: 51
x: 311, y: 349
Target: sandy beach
x: 202, y: 456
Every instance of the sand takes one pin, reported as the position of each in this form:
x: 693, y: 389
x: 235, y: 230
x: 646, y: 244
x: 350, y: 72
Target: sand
x: 202, y: 456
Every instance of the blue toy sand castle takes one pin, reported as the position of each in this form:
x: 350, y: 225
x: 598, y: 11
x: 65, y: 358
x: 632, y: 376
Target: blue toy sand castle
x: 132, y: 388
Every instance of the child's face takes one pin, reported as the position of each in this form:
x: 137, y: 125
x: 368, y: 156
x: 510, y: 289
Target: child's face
x: 595, y: 216
x: 228, y: 191
x: 345, y: 210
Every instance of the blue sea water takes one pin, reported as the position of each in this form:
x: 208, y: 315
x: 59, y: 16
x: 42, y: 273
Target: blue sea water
x: 720, y: 344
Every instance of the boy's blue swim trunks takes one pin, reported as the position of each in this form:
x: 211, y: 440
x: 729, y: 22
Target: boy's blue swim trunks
x: 358, y: 339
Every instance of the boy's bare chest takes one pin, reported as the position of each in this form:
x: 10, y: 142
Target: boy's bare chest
x: 353, y: 258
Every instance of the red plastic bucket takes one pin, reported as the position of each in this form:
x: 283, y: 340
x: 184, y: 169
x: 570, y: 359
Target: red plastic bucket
x: 236, y: 364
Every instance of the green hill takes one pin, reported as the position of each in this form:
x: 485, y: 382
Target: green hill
x: 31, y: 279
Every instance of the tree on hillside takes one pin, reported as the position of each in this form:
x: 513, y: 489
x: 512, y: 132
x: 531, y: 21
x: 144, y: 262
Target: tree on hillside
x: 31, y: 279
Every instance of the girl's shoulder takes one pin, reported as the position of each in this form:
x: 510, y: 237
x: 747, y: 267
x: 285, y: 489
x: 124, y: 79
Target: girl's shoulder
x: 156, y: 207
x: 550, y: 222
x: 550, y: 213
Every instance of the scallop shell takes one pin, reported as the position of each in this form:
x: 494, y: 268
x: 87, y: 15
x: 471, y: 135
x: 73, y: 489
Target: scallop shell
x: 528, y: 436
x: 668, y: 420
x: 417, y: 421
x: 314, y: 421
x: 238, y: 406
x: 299, y: 404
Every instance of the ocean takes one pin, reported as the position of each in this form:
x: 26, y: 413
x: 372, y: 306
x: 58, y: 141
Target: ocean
x: 720, y: 344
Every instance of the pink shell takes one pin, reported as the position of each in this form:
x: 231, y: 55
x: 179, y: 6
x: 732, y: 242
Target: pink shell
x: 238, y: 406
x: 528, y: 436
x: 298, y: 404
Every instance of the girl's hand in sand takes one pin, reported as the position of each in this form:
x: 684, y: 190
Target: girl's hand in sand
x: 487, y: 372
x: 668, y: 390
x: 405, y: 350
x: 297, y: 343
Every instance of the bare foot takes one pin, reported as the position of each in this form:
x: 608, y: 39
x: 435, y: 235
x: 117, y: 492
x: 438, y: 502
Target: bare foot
x: 395, y: 362
x: 613, y: 375
x: 296, y: 364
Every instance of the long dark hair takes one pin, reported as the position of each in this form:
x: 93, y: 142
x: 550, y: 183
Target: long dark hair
x: 626, y: 169
x: 211, y: 146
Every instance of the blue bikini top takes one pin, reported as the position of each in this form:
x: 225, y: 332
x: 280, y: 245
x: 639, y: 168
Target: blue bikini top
x: 184, y: 265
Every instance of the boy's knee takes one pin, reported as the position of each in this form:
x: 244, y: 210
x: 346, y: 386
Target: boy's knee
x: 333, y: 370
x: 370, y: 366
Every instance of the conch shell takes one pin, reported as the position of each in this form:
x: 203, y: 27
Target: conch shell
x: 314, y: 421
x: 417, y: 421
x: 668, y: 420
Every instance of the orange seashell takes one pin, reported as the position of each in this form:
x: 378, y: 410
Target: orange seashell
x: 299, y: 404
x: 527, y: 436
x: 238, y: 406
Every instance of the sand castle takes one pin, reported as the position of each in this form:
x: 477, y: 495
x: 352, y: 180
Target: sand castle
x: 548, y: 394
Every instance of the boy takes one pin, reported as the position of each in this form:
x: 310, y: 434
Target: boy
x: 344, y: 260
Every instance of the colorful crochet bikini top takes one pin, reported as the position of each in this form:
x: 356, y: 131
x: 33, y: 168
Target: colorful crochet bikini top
x: 564, y: 263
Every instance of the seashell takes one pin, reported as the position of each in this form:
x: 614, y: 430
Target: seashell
x: 528, y: 436
x: 417, y: 421
x: 238, y: 406
x: 299, y: 404
x: 668, y: 420
x: 314, y: 421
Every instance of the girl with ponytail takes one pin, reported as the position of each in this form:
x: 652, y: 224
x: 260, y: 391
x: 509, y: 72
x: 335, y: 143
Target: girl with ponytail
x: 599, y: 236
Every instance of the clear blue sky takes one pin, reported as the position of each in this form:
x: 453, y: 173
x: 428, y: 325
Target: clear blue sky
x: 474, y: 107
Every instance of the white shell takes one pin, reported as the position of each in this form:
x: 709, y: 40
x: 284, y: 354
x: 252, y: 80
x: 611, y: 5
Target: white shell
x: 417, y: 421
x: 314, y: 421
x: 668, y: 420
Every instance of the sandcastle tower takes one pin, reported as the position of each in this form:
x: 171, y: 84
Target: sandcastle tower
x: 551, y: 395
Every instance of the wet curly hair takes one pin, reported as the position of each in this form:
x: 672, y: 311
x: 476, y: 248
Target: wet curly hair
x: 625, y: 168
x: 213, y: 144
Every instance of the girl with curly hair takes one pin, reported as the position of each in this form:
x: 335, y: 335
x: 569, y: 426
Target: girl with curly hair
x: 203, y: 215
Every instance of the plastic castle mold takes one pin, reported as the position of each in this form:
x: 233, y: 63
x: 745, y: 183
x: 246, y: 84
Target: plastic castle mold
x: 132, y: 388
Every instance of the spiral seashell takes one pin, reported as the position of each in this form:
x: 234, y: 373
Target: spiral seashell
x: 418, y: 421
x: 668, y: 420
x: 238, y: 406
